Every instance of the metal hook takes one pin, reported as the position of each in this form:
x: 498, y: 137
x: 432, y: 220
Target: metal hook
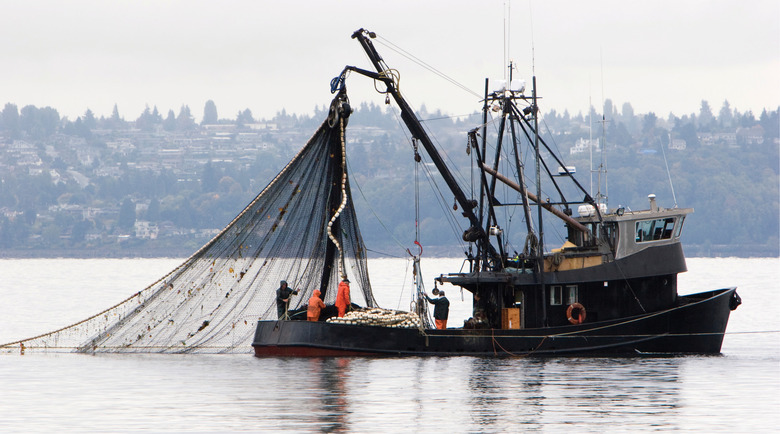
x: 418, y: 245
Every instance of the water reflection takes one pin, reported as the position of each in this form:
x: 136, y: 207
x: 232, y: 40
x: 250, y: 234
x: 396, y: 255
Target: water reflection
x: 472, y: 394
x: 494, y: 383
x: 451, y: 394
x: 575, y: 392
x: 419, y: 394
x: 332, y: 376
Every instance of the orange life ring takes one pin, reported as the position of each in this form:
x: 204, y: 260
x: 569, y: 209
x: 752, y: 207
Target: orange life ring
x: 580, y: 318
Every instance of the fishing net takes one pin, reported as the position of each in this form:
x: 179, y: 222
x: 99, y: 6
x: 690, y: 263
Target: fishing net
x: 301, y: 228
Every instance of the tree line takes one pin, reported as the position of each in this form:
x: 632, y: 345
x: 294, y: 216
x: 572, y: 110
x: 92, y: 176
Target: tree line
x: 732, y: 186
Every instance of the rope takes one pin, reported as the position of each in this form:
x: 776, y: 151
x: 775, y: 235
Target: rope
x: 384, y: 254
x: 543, y: 337
x: 337, y: 83
x: 495, y: 342
x: 394, y: 76
x: 342, y: 272
x: 631, y: 288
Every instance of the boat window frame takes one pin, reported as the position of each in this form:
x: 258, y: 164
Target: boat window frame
x: 657, y: 229
x: 572, y: 294
x: 556, y: 295
x: 678, y: 227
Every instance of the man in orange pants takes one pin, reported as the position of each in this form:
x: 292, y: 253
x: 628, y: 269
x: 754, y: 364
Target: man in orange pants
x: 441, y: 310
x: 342, y: 297
x: 315, y: 306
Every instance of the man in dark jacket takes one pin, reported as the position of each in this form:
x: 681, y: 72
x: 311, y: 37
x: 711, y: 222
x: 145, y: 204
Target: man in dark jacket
x: 441, y: 309
x: 283, y: 298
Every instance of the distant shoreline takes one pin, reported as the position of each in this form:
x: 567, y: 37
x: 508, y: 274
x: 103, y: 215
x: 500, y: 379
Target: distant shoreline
x: 691, y: 251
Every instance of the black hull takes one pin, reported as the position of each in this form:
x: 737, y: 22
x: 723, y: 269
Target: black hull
x: 695, y: 325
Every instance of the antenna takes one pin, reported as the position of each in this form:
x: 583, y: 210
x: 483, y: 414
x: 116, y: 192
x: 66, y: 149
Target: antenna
x: 668, y: 173
x: 533, y: 53
x: 603, y: 129
x: 507, y: 30
x: 600, y: 198
x: 590, y: 136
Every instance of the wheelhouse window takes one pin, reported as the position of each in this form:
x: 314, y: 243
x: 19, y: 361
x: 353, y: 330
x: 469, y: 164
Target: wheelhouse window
x: 572, y: 294
x: 679, y: 227
x: 654, y: 230
x: 556, y: 295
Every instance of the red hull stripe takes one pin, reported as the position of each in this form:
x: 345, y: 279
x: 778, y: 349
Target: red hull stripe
x: 296, y: 351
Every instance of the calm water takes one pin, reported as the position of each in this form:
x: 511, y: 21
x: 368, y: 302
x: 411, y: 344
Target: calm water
x: 737, y: 391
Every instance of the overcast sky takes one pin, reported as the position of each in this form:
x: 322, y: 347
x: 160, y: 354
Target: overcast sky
x: 661, y: 55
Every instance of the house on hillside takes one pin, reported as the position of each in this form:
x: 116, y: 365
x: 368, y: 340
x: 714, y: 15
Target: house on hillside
x: 584, y: 145
x: 678, y: 144
x: 709, y: 139
x: 146, y: 230
x: 751, y: 136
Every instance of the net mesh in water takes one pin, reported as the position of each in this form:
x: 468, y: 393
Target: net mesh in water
x: 301, y: 228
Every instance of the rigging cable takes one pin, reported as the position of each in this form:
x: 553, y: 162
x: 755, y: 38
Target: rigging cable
x: 404, y: 53
x: 446, y: 211
x: 401, y: 294
x: 417, y: 160
x: 456, y: 174
x: 557, y: 229
x: 357, y: 184
x: 454, y: 225
x: 505, y: 209
x: 417, y: 304
x: 384, y: 254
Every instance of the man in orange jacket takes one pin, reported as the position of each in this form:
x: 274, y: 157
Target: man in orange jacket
x: 342, y: 297
x: 315, y: 306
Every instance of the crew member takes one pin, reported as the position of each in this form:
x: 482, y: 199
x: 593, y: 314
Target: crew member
x: 441, y: 309
x: 283, y: 298
x: 315, y: 306
x: 342, y: 297
x: 480, y: 307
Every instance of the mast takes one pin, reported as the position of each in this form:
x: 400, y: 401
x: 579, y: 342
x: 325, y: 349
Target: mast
x: 540, y: 248
x: 520, y: 175
x: 481, y: 214
x: 483, y: 182
x: 491, y: 190
x: 416, y: 129
x: 603, y: 198
x: 590, y: 142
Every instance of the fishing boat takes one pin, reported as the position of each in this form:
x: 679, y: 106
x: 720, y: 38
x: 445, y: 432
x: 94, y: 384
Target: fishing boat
x: 611, y: 288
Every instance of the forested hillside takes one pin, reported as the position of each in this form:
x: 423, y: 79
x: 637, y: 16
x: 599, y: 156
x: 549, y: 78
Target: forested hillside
x: 163, y: 185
